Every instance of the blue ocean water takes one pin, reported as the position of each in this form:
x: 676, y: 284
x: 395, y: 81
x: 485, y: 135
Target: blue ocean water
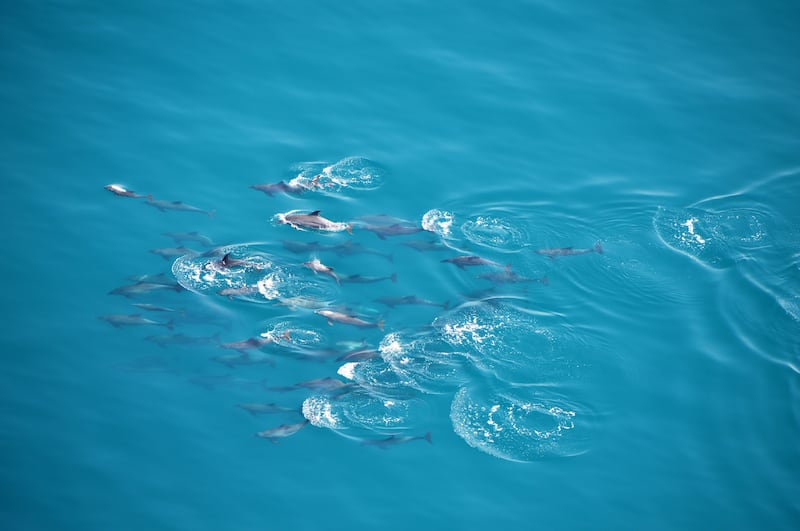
x: 624, y: 355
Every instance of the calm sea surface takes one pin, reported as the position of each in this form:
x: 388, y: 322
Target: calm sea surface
x: 621, y: 352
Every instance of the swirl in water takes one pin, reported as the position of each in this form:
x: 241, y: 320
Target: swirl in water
x: 519, y: 424
x: 493, y: 232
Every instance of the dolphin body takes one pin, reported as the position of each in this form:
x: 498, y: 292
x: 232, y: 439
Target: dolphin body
x: 463, y: 261
x: 141, y: 288
x: 382, y: 231
x: 232, y: 293
x: 569, y: 251
x: 318, y: 267
x: 118, y: 189
x: 339, y: 317
x: 313, y: 221
x: 163, y: 206
x: 284, y: 430
x: 155, y: 307
x: 258, y: 408
x: 281, y: 187
x: 510, y: 277
x: 193, y: 236
x: 396, y: 439
x: 409, y: 300
x: 172, y: 252
x: 244, y: 358
x: 361, y: 279
x: 135, y: 319
x: 252, y: 343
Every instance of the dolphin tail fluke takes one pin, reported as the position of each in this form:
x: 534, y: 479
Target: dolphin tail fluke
x: 598, y: 248
x: 393, y: 278
x: 212, y: 213
x: 544, y: 280
x: 349, y: 228
x: 446, y: 305
x: 389, y: 257
x: 170, y: 324
x: 149, y: 198
x: 379, y: 324
x: 287, y: 335
x: 427, y: 437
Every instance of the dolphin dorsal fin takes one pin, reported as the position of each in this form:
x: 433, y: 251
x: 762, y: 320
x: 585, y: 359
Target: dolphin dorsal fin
x: 177, y: 202
x: 315, y: 213
x: 226, y: 258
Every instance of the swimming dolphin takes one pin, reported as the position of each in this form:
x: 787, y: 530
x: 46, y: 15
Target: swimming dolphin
x: 361, y: 279
x: 182, y: 339
x: 284, y: 430
x: 339, y: 317
x: 424, y: 245
x: 408, y: 300
x: 314, y: 221
x: 396, y: 439
x: 155, y: 278
x: 244, y: 358
x: 232, y: 293
x: 135, y: 319
x: 351, y: 248
x: 247, y: 344
x: 256, y: 409
x: 155, y: 308
x: 118, y: 189
x: 300, y: 247
x: 318, y: 267
x: 464, y: 261
x: 140, y: 288
x: 173, y: 252
x: 163, y: 206
x: 359, y: 355
x: 569, y: 251
x: 193, y: 236
x: 281, y: 187
x: 382, y: 231
x: 507, y: 276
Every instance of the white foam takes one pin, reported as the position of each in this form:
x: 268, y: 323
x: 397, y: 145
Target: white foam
x: 689, y: 224
x: 348, y: 370
x: 438, y: 221
x: 318, y: 411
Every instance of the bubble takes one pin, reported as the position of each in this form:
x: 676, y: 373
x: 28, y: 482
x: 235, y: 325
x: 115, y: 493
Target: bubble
x: 520, y: 424
x: 439, y: 222
x: 494, y: 232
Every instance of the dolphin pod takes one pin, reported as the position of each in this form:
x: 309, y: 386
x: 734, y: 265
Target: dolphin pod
x: 267, y: 350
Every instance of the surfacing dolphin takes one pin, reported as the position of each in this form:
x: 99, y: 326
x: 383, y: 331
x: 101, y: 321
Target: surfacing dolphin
x: 313, y: 221
x: 118, y: 189
x: 569, y: 251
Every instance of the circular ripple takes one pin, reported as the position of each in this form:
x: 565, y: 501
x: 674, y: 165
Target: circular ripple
x: 355, y: 173
x: 513, y: 344
x: 494, y: 232
x: 520, y: 424
x: 359, y: 414
x: 423, y: 364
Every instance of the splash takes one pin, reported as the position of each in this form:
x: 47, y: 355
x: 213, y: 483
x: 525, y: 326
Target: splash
x: 439, y: 222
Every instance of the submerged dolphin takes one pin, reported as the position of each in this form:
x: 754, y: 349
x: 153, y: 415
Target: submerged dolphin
x: 464, y: 261
x: 163, y: 206
x: 510, y: 277
x: 173, y: 252
x: 339, y: 317
x: 193, y: 236
x: 140, y: 288
x: 382, y: 231
x: 396, y: 439
x: 284, y: 430
x: 408, y: 300
x: 314, y: 221
x: 135, y: 319
x: 258, y: 408
x: 569, y: 251
x: 361, y: 279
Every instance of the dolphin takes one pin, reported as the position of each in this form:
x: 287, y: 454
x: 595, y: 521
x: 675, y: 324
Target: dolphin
x: 182, y: 339
x: 314, y: 221
x: 143, y: 288
x: 409, y: 299
x: 569, y: 251
x: 256, y: 409
x: 281, y: 187
x: 193, y: 236
x: 507, y: 276
x: 396, y: 439
x: 173, y: 252
x: 382, y: 231
x: 247, y: 344
x: 155, y: 308
x: 244, y: 358
x: 318, y: 267
x: 360, y: 279
x: 339, y: 317
x: 425, y: 245
x: 284, y: 430
x: 163, y: 206
x: 359, y: 355
x: 232, y: 293
x: 464, y: 261
x: 351, y: 248
x: 118, y: 189
x: 300, y: 247
x: 135, y: 319
x: 155, y: 278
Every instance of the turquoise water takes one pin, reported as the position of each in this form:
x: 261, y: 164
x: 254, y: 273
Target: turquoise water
x: 650, y: 386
